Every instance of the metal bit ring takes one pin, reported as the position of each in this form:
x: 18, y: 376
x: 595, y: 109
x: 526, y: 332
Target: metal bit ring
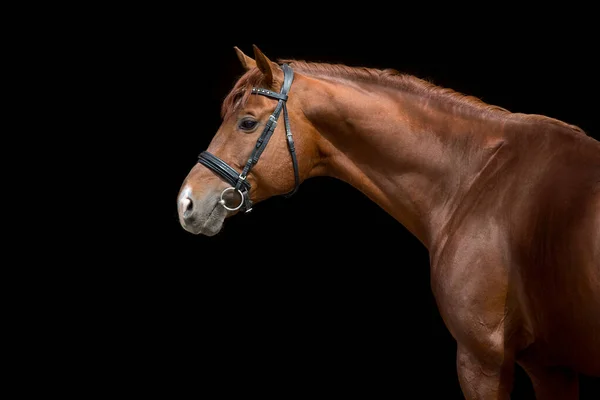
x: 222, y: 201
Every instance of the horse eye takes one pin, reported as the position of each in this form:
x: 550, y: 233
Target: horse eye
x: 248, y: 124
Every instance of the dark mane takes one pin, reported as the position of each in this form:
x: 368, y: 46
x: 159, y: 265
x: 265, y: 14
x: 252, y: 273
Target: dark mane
x: 388, y: 77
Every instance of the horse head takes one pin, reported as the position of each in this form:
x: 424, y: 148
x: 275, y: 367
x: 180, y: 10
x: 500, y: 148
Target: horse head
x: 228, y: 177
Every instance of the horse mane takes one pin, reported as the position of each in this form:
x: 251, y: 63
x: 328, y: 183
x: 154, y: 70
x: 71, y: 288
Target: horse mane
x: 385, y: 77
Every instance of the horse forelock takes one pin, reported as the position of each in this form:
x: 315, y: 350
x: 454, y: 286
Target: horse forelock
x: 238, y: 96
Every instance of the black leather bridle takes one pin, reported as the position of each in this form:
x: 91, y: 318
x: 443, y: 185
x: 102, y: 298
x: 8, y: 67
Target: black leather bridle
x: 237, y: 180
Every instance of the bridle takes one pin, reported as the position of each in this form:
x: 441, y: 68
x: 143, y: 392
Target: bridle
x: 237, y: 180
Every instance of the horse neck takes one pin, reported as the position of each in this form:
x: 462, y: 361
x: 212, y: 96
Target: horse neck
x: 413, y: 155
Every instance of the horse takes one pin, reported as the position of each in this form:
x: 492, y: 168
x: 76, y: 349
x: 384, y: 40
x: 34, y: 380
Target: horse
x: 506, y: 204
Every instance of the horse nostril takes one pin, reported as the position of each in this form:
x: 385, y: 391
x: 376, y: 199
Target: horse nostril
x: 187, y: 206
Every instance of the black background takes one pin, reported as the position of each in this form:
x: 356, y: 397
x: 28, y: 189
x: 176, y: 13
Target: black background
x: 322, y: 293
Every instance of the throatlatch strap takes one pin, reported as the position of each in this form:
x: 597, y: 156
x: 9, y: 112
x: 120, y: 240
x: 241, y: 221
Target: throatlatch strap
x: 290, y: 142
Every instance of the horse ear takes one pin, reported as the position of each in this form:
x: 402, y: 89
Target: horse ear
x: 266, y: 66
x: 247, y: 62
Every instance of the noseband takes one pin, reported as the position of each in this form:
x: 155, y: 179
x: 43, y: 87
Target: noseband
x: 237, y: 180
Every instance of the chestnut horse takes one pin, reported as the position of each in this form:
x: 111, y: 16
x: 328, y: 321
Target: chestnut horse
x: 507, y: 204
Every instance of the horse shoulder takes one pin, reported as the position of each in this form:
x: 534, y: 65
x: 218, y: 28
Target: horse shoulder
x: 477, y: 287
